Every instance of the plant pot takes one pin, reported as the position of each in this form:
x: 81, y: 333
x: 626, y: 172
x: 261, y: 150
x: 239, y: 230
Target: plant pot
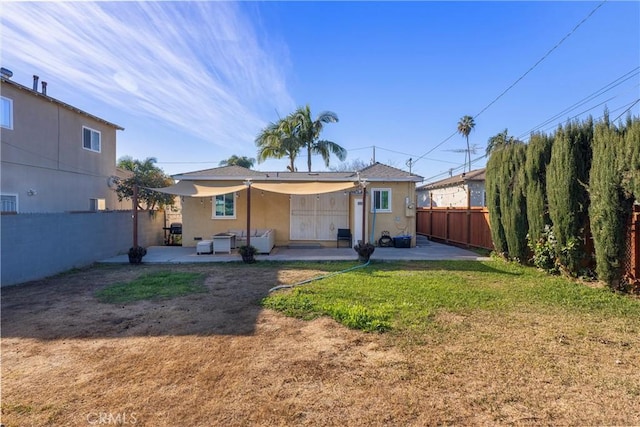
x: 136, y: 254
x: 248, y: 259
x: 364, y: 251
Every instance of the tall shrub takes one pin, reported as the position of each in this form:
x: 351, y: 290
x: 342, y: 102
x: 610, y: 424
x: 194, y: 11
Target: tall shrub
x: 492, y: 181
x: 537, y: 159
x: 609, y: 209
x: 567, y: 179
x: 513, y: 205
x: 630, y: 165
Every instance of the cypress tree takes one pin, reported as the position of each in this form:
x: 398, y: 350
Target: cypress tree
x: 630, y: 165
x: 567, y: 178
x: 513, y: 206
x: 538, y: 156
x: 609, y: 208
x: 492, y: 182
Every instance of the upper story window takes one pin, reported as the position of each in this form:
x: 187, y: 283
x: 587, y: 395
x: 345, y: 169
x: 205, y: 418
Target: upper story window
x: 9, y: 203
x: 90, y: 139
x: 381, y: 199
x: 225, y: 206
x: 6, y: 112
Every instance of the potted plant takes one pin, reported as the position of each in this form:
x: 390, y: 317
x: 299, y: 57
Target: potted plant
x: 136, y: 253
x: 364, y: 251
x: 248, y: 253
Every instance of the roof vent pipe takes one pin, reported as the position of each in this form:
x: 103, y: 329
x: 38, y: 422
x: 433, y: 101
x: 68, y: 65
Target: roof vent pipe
x: 44, y: 88
x: 35, y: 83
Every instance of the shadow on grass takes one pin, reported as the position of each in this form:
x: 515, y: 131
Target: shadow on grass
x: 489, y: 267
x: 66, y: 306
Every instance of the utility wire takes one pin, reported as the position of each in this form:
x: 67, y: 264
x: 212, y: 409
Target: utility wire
x: 617, y: 82
x: 541, y: 59
x: 628, y: 109
x: 521, y: 77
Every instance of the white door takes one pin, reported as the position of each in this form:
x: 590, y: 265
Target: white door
x: 318, y: 217
x: 357, y: 221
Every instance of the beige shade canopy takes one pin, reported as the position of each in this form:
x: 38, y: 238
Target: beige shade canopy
x: 303, y: 188
x: 190, y: 188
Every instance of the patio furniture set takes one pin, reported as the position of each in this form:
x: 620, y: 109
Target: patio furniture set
x: 262, y: 239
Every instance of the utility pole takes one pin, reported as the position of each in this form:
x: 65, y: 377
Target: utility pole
x: 374, y: 155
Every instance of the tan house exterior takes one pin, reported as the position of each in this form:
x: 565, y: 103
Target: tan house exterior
x: 300, y: 207
x: 55, y: 157
x: 459, y: 191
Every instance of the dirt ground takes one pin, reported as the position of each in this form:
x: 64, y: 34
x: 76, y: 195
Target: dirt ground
x: 220, y: 359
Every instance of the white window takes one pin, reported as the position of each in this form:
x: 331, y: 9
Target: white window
x: 6, y: 112
x: 225, y: 206
x: 90, y: 139
x: 381, y: 199
x: 9, y: 203
x: 97, y: 205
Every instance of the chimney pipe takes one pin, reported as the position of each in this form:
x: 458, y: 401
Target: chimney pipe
x: 44, y: 88
x: 35, y: 83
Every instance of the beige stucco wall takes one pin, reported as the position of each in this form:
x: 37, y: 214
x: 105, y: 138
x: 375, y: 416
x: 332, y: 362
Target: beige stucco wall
x: 402, y: 218
x: 272, y: 210
x: 43, y: 152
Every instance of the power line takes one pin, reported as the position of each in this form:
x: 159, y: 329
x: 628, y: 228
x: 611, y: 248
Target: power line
x: 628, y: 109
x: 541, y: 59
x: 522, y: 76
x: 615, y: 83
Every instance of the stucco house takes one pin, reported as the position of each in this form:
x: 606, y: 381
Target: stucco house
x: 55, y: 157
x: 298, y: 207
x: 463, y: 190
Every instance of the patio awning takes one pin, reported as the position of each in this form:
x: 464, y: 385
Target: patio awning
x: 190, y: 188
x: 303, y: 188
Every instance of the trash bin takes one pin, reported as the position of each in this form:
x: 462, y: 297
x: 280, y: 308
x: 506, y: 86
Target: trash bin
x: 402, y: 241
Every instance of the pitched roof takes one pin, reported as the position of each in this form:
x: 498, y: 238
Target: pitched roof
x: 474, y: 175
x: 375, y: 172
x: 380, y: 172
x: 60, y: 103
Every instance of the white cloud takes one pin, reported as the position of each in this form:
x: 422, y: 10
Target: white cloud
x: 198, y: 66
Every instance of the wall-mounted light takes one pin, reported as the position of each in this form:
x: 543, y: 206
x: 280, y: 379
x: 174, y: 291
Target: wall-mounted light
x: 31, y: 192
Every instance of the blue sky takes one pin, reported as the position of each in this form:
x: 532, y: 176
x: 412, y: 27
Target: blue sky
x: 194, y: 82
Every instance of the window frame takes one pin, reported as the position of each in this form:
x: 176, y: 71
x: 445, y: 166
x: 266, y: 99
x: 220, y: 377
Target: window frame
x: 214, y: 214
x: 99, y: 150
x: 15, y: 196
x: 9, y: 101
x: 389, y: 208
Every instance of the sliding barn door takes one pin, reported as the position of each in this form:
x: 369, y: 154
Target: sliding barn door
x: 318, y: 217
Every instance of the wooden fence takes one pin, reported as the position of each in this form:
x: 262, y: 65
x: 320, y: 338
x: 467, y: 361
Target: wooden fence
x: 632, y: 259
x: 460, y: 226
x: 470, y: 227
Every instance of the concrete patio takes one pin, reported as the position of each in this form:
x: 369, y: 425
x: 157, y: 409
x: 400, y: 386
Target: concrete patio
x: 425, y: 250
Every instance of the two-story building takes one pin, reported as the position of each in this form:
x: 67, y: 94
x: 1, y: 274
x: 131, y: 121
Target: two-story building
x: 55, y: 157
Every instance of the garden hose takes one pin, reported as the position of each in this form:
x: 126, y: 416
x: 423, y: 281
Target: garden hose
x: 304, y: 282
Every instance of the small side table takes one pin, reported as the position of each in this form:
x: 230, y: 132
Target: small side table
x: 223, y: 242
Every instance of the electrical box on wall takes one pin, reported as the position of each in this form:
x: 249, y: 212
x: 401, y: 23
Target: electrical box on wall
x: 409, y: 208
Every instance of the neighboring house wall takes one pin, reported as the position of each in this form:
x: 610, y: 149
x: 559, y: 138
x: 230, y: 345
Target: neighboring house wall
x: 454, y: 196
x: 44, y: 163
x: 35, y: 246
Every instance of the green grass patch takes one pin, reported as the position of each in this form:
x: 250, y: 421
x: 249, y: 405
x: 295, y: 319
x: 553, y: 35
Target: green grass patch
x: 160, y: 285
x: 406, y: 296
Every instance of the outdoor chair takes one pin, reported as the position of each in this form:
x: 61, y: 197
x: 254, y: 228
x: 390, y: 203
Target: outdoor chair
x: 343, y: 234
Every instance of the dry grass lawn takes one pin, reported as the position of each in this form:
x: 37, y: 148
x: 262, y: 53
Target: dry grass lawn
x: 218, y: 358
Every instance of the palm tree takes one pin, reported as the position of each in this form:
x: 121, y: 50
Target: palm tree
x: 309, y: 130
x: 244, y: 161
x: 500, y: 141
x: 279, y: 140
x: 465, y: 126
